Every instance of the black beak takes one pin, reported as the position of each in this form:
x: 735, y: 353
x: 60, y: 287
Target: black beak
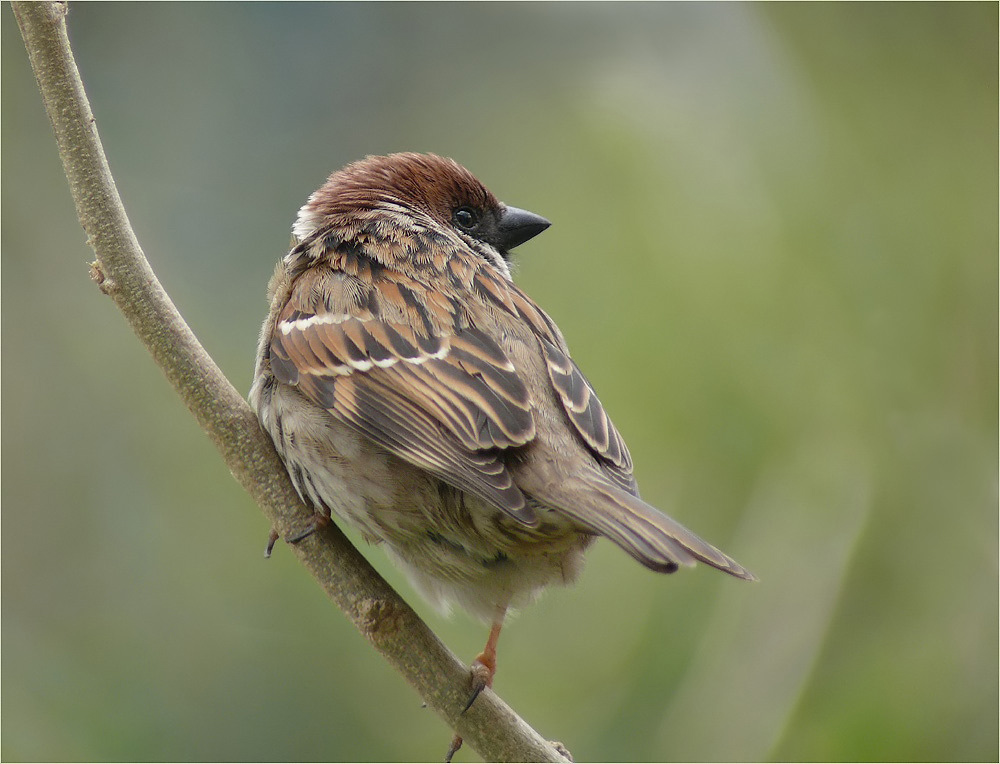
x: 517, y: 226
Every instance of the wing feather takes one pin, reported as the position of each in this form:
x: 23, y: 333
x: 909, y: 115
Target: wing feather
x: 403, y: 365
x: 584, y: 410
x: 447, y: 402
x: 651, y: 537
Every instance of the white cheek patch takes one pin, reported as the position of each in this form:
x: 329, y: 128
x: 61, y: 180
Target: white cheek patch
x: 307, y: 221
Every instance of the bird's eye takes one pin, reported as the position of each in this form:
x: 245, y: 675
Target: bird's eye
x: 466, y: 218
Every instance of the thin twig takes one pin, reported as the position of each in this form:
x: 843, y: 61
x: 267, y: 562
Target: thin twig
x: 122, y: 272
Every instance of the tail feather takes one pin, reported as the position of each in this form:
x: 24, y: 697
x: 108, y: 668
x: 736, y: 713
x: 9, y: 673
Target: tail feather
x: 657, y: 541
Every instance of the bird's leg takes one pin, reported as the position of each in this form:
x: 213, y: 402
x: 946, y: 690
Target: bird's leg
x: 319, y: 520
x: 485, y: 665
x: 483, y: 669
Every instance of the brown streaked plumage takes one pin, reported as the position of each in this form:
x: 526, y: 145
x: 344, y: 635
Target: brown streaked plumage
x: 415, y: 391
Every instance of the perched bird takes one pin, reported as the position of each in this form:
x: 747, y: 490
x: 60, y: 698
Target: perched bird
x: 414, y: 391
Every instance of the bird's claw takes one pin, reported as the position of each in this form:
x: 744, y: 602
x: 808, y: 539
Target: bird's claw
x: 272, y: 539
x: 456, y: 743
x: 318, y: 521
x: 482, y: 677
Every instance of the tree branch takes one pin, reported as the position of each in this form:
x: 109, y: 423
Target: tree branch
x: 122, y: 272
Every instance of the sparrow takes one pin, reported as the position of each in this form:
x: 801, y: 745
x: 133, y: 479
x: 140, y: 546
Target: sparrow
x: 415, y: 392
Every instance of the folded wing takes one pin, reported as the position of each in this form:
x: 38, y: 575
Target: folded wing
x: 446, y: 401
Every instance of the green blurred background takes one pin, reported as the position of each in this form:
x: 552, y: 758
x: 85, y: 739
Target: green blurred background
x: 774, y: 252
